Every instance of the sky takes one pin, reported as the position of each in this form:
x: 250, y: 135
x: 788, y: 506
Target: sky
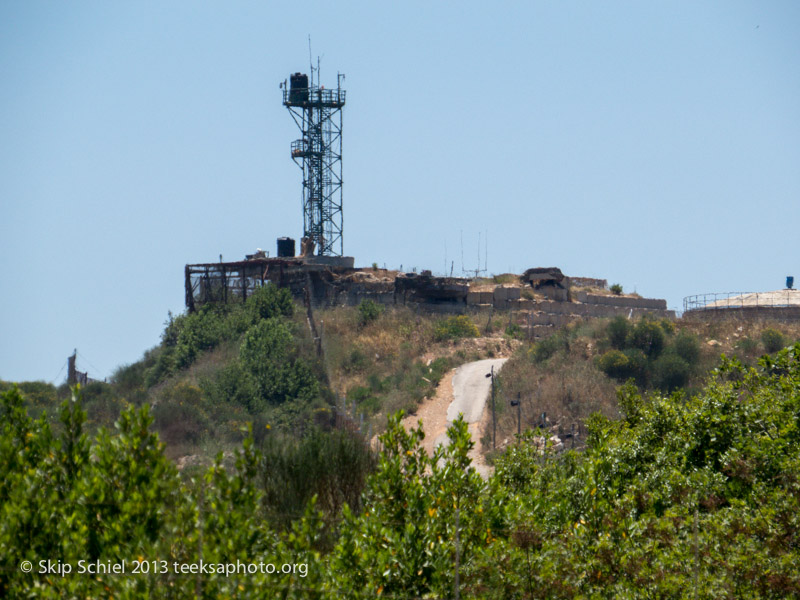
x: 652, y: 144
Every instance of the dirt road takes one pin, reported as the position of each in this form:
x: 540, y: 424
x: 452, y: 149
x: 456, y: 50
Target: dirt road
x: 464, y: 390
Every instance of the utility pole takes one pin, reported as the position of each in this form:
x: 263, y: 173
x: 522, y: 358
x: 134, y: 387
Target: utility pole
x: 519, y: 414
x: 458, y: 552
x: 494, y: 415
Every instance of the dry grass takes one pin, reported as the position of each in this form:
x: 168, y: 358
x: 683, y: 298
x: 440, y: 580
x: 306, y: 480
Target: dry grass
x: 737, y: 337
x: 569, y: 388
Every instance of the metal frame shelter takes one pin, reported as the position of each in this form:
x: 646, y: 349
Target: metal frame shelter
x: 230, y: 282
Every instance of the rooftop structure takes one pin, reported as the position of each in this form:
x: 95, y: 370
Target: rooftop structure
x: 779, y: 304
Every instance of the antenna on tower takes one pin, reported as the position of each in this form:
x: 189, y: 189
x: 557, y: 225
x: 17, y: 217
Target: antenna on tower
x: 486, y: 252
x: 310, y: 61
x: 462, y: 251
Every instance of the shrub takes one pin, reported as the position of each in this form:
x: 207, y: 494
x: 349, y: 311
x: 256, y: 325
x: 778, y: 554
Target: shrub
x: 687, y: 347
x: 333, y: 466
x: 369, y: 311
x: 616, y: 289
x: 670, y: 372
x: 271, y: 301
x: 514, y: 331
x: 638, y: 366
x: 747, y: 346
x: 232, y: 384
x: 648, y: 337
x: 624, y: 365
x: 667, y: 325
x: 773, y: 340
x: 365, y: 399
x: 546, y: 348
x: 618, y: 331
x: 266, y: 353
x: 455, y: 327
x: 614, y: 364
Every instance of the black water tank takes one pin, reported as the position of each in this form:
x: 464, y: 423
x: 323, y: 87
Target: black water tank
x: 298, y: 88
x: 789, y: 282
x: 285, y: 247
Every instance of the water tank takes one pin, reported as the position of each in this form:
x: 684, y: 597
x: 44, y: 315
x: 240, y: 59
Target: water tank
x: 298, y: 88
x: 285, y: 247
x: 789, y: 282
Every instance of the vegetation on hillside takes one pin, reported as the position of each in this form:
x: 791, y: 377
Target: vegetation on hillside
x: 682, y: 497
x: 385, y: 360
x: 576, y: 371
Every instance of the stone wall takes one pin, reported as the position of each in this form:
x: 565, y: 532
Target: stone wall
x: 746, y: 313
x: 625, y: 301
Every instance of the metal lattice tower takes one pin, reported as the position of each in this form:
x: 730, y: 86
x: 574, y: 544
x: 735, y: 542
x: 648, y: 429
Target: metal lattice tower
x: 318, y: 114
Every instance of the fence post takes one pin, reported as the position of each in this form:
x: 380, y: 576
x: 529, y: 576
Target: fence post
x: 457, y: 591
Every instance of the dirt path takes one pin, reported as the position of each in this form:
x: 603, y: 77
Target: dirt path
x: 462, y: 390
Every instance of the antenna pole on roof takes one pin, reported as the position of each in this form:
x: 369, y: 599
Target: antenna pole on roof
x: 310, y: 62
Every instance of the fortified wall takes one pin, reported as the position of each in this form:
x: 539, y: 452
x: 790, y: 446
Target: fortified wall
x: 540, y: 300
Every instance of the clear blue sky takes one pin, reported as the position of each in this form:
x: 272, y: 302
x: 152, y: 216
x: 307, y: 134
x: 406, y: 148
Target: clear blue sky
x: 655, y: 144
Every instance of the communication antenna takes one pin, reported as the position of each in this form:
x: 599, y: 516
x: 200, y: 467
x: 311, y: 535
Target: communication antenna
x: 486, y: 251
x: 310, y: 61
x: 462, y: 251
x: 477, y: 270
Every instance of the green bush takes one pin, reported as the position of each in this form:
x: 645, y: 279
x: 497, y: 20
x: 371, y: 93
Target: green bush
x: 232, y: 384
x: 648, y: 336
x: 455, y: 327
x: 614, y: 364
x: 547, y: 347
x: 365, y: 399
x: 267, y: 354
x: 638, y: 366
x: 687, y: 347
x: 773, y: 340
x: 618, y: 331
x: 514, y: 331
x: 369, y: 311
x: 330, y: 465
x: 270, y: 301
x: 616, y: 289
x: 670, y: 372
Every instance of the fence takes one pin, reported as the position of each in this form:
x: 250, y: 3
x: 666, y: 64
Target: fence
x: 729, y: 300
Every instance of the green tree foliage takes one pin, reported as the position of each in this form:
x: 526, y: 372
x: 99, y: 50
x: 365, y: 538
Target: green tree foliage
x: 648, y: 336
x: 618, y: 332
x: 707, y: 485
x: 550, y: 346
x: 186, y: 336
x: 402, y: 543
x: 614, y: 364
x: 267, y: 354
x: 683, y: 497
x: 650, y: 353
x: 331, y: 466
x: 687, y: 347
x: 670, y: 372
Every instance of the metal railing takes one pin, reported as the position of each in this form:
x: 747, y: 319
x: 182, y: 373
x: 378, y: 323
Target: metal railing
x: 315, y: 97
x: 728, y: 300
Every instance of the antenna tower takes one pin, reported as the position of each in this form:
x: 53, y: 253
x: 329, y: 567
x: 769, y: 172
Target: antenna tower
x: 317, y: 112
